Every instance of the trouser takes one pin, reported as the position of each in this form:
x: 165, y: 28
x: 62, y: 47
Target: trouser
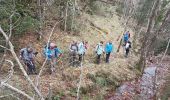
x: 30, y: 67
x: 98, y: 58
x: 53, y: 63
x: 73, y: 58
x: 127, y: 52
x: 80, y: 57
x: 107, y: 57
x: 125, y: 41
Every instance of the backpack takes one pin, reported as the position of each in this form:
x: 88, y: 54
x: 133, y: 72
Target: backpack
x: 129, y: 46
x: 97, y: 47
x: 45, y: 48
x: 75, y: 46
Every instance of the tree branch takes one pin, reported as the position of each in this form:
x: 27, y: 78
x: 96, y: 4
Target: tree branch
x: 19, y: 63
x: 48, y: 41
x: 11, y: 71
x: 16, y: 90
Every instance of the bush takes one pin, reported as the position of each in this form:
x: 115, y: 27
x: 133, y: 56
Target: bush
x: 119, y: 9
x: 28, y: 24
x: 23, y: 19
x: 103, y: 79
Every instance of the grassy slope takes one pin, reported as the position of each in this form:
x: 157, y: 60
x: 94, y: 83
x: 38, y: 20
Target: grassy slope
x: 65, y: 83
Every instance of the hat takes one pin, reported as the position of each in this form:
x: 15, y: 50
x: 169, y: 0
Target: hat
x: 52, y: 44
x: 30, y: 49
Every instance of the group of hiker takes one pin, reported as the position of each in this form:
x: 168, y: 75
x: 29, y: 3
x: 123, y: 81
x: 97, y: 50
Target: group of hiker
x: 127, y: 43
x: 77, y: 51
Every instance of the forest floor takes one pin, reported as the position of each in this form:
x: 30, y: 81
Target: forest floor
x: 99, y: 81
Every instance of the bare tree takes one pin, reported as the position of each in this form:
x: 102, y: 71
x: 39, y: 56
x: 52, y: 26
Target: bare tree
x: 151, y: 22
x: 11, y: 49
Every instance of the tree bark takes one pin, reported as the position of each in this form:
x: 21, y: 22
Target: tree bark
x: 151, y: 22
x: 65, y: 23
x: 154, y: 38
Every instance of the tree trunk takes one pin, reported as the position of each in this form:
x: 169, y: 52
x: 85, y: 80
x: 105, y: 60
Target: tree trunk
x: 154, y: 38
x: 65, y: 23
x: 151, y: 22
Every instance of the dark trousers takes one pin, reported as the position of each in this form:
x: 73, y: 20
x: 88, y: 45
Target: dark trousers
x: 30, y: 67
x: 107, y: 57
x: 80, y: 57
x: 73, y: 58
x: 98, y: 59
x: 127, y: 52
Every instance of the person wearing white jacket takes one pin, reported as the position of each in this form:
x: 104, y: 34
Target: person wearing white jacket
x: 99, y: 51
x: 81, y: 50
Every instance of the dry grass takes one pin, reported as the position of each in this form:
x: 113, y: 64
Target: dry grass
x: 66, y: 81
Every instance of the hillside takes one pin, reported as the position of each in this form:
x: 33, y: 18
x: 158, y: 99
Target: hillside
x: 66, y: 79
x: 37, y: 22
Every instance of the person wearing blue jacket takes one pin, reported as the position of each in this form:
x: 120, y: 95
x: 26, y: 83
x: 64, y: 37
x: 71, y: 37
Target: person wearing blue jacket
x: 126, y: 37
x: 52, y: 53
x: 108, y: 50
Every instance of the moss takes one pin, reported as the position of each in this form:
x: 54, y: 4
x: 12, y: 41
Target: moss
x: 103, y: 79
x: 88, y: 89
x: 91, y: 77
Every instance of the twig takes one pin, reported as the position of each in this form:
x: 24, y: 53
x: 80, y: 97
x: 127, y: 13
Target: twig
x: 16, y: 90
x: 165, y: 51
x: 48, y: 41
x: 3, y: 96
x: 11, y: 71
x: 155, y: 78
x: 4, y: 47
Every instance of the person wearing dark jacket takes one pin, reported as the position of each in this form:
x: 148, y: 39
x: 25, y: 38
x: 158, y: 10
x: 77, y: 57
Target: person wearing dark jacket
x: 73, y: 52
x: 27, y: 55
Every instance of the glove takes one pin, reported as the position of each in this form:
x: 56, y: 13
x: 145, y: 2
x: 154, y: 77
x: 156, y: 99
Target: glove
x: 49, y: 56
x: 60, y: 55
x: 35, y: 53
x: 21, y: 57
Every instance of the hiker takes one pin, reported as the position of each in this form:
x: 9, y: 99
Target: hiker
x: 127, y: 48
x: 99, y: 51
x: 126, y: 37
x: 81, y: 51
x: 108, y: 50
x: 52, y: 52
x: 47, y: 46
x: 27, y: 55
x: 73, y: 52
